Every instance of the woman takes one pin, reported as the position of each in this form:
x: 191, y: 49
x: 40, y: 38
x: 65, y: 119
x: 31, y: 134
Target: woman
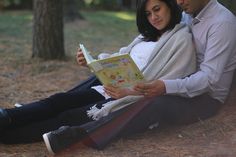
x: 158, y: 52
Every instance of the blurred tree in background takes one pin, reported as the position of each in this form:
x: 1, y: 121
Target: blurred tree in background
x: 230, y: 4
x: 48, y: 38
x: 71, y: 11
x: 110, y: 4
x: 16, y: 4
x: 94, y: 4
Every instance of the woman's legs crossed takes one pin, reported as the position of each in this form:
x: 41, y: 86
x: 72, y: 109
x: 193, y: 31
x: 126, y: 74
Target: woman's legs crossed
x: 52, y: 106
x: 33, y: 132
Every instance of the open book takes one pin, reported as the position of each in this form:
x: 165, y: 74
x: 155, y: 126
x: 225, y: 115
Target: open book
x: 120, y: 70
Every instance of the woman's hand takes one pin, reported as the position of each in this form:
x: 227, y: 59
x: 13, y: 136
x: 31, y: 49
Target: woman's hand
x: 80, y: 58
x: 151, y: 89
x: 118, y: 93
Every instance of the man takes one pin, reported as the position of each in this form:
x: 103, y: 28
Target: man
x: 198, y: 96
x: 213, y: 27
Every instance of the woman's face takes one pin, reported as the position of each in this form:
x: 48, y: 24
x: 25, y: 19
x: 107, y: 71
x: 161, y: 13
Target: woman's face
x: 158, y: 14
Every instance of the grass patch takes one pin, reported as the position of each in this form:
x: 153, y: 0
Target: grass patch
x: 16, y: 24
x: 100, y: 31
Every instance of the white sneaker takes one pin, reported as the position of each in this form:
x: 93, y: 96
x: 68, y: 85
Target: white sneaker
x: 18, y: 105
x: 47, y: 143
x: 62, y: 138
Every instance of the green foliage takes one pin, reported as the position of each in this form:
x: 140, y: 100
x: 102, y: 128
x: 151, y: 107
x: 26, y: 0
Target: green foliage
x: 230, y: 4
x: 16, y: 4
x: 99, y: 4
x: 7, y: 3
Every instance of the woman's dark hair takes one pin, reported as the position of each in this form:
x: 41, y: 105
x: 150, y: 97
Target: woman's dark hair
x: 149, y: 32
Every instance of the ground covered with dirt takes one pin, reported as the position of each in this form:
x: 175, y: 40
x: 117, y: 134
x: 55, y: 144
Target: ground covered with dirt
x: 23, y: 80
x: 31, y: 80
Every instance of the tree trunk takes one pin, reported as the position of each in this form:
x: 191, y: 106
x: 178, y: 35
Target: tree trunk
x: 234, y: 81
x: 48, y: 38
x: 26, y: 4
x: 131, y: 4
x: 71, y: 10
x: 126, y: 3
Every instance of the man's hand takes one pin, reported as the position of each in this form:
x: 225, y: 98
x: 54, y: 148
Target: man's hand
x: 151, y: 89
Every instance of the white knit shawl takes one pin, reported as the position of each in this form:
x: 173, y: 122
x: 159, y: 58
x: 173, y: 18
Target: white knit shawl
x: 173, y: 57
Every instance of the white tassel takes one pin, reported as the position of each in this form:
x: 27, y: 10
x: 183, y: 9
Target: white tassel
x: 111, y: 106
x: 92, y: 111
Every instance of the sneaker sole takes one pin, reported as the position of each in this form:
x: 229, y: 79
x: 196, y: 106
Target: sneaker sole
x: 47, y: 143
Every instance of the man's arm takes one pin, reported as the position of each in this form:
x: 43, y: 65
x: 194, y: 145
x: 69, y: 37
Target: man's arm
x: 218, y: 54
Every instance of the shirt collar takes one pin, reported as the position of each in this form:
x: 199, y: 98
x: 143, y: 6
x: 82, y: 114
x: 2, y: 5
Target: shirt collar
x: 206, y: 12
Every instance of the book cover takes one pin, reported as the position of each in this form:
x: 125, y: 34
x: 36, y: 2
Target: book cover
x: 118, y: 70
